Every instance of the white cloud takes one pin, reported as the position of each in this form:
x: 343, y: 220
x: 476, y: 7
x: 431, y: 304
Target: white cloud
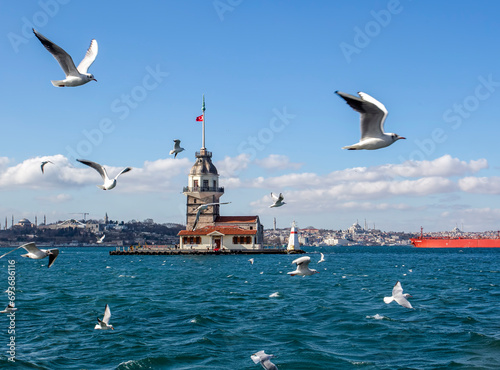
x: 480, y: 185
x: 277, y: 162
x: 232, y: 167
x: 58, y: 198
x: 152, y: 177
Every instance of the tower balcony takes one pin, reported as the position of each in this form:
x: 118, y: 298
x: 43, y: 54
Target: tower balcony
x: 201, y: 189
x: 203, y: 153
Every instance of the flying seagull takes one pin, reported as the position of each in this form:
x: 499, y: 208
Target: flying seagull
x: 322, y: 258
x: 264, y: 359
x: 35, y: 253
x: 251, y: 260
x: 101, y: 239
x: 202, y: 208
x: 44, y: 163
x: 104, y: 323
x: 278, y: 200
x: 303, y: 267
x: 75, y: 76
x: 398, y: 296
x: 108, y: 183
x: 9, y: 308
x: 373, y: 114
x: 177, y: 148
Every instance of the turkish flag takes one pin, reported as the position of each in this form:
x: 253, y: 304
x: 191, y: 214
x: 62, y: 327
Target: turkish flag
x: 199, y: 118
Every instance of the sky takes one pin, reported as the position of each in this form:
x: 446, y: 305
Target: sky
x: 269, y: 71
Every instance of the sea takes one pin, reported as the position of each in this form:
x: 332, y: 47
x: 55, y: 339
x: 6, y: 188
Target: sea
x: 214, y: 312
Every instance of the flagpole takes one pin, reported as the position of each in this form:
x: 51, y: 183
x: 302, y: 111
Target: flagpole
x: 203, y: 123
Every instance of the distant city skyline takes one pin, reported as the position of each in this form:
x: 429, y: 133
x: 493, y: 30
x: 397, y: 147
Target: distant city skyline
x: 269, y: 71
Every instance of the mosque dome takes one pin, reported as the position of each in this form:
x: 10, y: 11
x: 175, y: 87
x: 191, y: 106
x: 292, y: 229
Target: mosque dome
x: 24, y: 222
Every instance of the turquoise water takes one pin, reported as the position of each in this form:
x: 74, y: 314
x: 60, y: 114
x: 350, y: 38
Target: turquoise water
x: 213, y: 312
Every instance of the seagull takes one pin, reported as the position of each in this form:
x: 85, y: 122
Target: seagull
x: 278, y: 201
x: 264, y: 359
x: 44, y: 163
x: 100, y: 240
x: 303, y: 267
x: 75, y: 76
x: 177, y: 148
x: 398, y: 296
x: 104, y: 323
x: 108, y: 183
x: 9, y: 308
x: 322, y: 258
x: 35, y: 253
x: 251, y: 260
x: 373, y: 114
x: 202, y: 208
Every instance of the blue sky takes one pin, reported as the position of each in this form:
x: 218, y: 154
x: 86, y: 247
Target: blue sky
x: 269, y: 70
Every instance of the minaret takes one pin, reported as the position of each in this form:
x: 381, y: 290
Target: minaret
x: 203, y: 185
x: 274, y: 224
x: 44, y: 219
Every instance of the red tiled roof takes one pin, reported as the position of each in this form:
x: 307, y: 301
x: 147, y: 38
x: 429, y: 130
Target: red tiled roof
x: 226, y: 230
x: 236, y: 219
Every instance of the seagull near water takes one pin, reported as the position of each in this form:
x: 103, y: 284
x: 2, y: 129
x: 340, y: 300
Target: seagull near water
x: 373, y: 115
x: 202, y: 208
x: 101, y: 239
x: 322, y: 258
x: 303, y: 267
x: 264, y: 359
x: 278, y: 200
x: 108, y: 183
x: 75, y: 76
x: 36, y: 253
x: 177, y: 148
x: 9, y: 308
x: 104, y: 323
x: 398, y: 296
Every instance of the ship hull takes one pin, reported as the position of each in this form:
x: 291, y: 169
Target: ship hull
x: 455, y: 243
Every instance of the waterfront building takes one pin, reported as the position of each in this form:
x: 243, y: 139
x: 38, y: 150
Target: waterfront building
x: 206, y: 229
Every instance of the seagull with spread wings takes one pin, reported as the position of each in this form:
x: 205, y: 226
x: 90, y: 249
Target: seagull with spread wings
x: 75, y: 76
x: 372, y: 115
x: 108, y: 183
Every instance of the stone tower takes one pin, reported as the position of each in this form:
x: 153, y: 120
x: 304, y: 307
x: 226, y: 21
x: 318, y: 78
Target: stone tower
x: 203, y: 187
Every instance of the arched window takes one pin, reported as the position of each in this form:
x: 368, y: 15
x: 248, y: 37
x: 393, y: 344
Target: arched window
x: 249, y: 240
x: 235, y: 240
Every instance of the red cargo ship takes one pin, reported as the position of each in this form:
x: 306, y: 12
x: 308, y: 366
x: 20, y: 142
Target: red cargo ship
x: 454, y: 242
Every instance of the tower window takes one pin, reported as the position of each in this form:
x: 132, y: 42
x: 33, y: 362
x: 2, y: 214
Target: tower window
x: 196, y: 184
x: 205, y: 184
